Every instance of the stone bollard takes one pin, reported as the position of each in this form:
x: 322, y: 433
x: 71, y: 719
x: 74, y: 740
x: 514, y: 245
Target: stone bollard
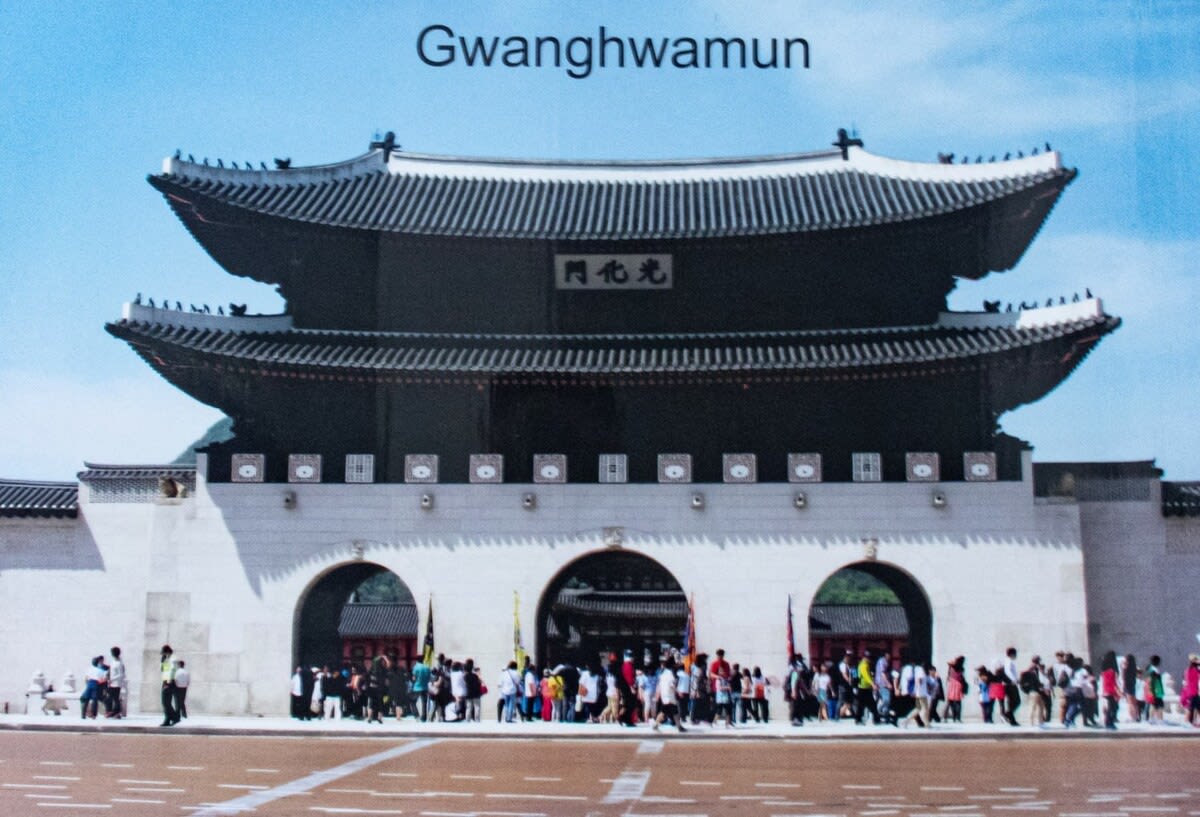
x: 37, y: 689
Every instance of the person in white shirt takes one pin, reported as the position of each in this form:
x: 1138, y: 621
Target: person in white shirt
x: 115, y: 705
x: 912, y: 684
x: 668, y: 683
x: 507, y: 687
x: 182, y: 679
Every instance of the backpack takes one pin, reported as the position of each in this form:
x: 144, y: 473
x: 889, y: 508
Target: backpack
x: 1029, y: 681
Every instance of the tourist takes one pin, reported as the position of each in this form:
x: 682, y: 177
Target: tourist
x: 839, y: 683
x: 1110, y: 688
x: 532, y: 701
x: 93, y: 690
x: 1061, y: 673
x: 114, y: 706
x: 1036, y: 685
x: 983, y: 683
x: 589, y: 693
x: 507, y: 687
x: 475, y: 689
x: 884, y: 689
x: 668, y: 709
x: 913, y: 693
x: 611, y: 712
x: 1129, y: 684
x: 956, y: 684
x: 933, y: 685
x: 1076, y: 691
x: 1154, y: 690
x: 435, y: 693
x: 864, y: 692
x: 821, y: 688
x: 998, y: 690
x: 647, y: 682
x: 547, y: 687
x: 761, y: 704
x: 377, y: 686
x: 334, y: 687
x: 1012, y: 693
x: 683, y: 689
x: 166, y: 666
x: 1189, y: 694
x: 183, y: 679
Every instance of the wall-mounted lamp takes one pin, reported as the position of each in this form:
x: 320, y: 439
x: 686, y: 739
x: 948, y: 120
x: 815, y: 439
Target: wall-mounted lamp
x: 698, y: 501
x: 800, y: 501
x: 426, y: 502
x: 529, y: 501
x: 938, y: 499
x: 289, y: 499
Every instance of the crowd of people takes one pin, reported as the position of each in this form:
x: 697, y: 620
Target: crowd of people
x: 861, y: 688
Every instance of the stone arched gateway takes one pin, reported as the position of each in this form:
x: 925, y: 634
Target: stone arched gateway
x: 905, y: 621
x: 326, y: 619
x: 608, y: 602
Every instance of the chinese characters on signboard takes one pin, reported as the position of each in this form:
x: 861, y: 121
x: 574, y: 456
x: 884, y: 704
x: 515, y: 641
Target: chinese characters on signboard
x: 613, y: 272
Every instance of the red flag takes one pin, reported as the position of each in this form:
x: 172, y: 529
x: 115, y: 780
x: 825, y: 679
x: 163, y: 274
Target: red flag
x: 791, y: 645
x: 689, y: 635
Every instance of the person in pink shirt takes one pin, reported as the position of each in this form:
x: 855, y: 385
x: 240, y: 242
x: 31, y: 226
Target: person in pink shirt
x: 1189, y: 695
x: 1110, y: 688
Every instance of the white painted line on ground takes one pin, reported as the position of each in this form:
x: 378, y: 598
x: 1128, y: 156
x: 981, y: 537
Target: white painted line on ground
x: 508, y: 796
x: 145, y: 782
x: 47, y: 786
x: 132, y: 800
x: 650, y: 747
x: 994, y: 796
x: 152, y: 790
x: 777, y: 785
x: 263, y: 771
x: 629, y: 785
x: 425, y: 794
x: 1023, y: 807
x: 1128, y: 809
x: 182, y: 768
x: 748, y: 797
x: 44, y: 796
x: 56, y: 763
x: 397, y: 774
x: 53, y: 777
x: 877, y: 812
x: 543, y: 779
x: 470, y: 777
x: 658, y: 798
x: 350, y: 791
x: 1017, y: 789
x: 74, y: 805
x: 120, y: 765
x: 943, y: 788
x: 701, y: 783
x: 856, y: 786
x: 241, y: 786
x: 314, y: 780
x: 791, y: 803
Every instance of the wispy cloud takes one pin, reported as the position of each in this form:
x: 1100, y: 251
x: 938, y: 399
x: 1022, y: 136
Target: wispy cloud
x: 1014, y: 69
x: 54, y: 423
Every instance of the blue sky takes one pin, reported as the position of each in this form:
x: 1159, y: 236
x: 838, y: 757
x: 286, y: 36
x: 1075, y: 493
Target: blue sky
x: 93, y: 98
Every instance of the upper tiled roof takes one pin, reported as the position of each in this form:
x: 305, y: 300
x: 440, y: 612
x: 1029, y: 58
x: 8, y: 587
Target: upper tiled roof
x: 387, y: 354
x: 451, y: 196
x: 23, y: 498
x: 366, y: 620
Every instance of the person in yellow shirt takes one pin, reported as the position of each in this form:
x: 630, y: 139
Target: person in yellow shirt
x: 864, y: 691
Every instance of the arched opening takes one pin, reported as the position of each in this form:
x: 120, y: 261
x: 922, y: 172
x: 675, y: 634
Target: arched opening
x: 870, y: 606
x: 606, y: 603
x: 353, y: 613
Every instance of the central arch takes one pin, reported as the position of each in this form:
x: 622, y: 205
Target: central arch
x: 609, y: 602
x: 333, y: 624
x: 891, y: 612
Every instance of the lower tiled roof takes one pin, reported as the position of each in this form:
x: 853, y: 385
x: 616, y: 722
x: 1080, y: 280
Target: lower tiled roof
x: 857, y: 619
x: 380, y: 355
x: 25, y: 498
x: 378, y: 620
x: 617, y: 606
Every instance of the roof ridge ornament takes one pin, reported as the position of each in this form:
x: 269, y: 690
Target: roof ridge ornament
x: 845, y: 142
x: 387, y: 145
